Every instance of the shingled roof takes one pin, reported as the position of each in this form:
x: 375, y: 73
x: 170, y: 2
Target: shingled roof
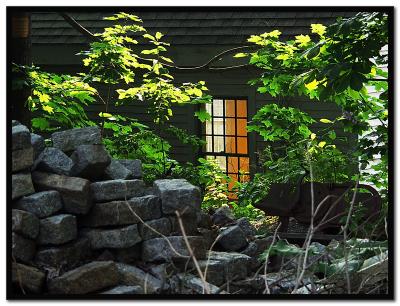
x: 185, y: 28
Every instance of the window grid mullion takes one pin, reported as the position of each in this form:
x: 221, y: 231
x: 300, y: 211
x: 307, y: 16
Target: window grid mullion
x: 235, y: 136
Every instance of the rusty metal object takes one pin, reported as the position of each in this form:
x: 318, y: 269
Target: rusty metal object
x: 331, y: 203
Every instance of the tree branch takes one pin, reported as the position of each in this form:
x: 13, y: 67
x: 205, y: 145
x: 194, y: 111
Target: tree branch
x: 216, y: 58
x: 77, y: 26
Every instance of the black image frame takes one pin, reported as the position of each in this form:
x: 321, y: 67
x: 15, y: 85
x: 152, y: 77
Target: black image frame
x: 392, y: 126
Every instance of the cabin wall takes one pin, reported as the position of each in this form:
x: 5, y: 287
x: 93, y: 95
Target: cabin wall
x: 195, y: 38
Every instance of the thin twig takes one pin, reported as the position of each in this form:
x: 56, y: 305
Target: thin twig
x: 345, y: 227
x: 267, y: 291
x: 153, y: 230
x: 206, y: 287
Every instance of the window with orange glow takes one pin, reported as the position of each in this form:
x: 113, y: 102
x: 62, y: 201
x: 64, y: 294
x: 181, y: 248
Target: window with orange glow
x: 226, y: 137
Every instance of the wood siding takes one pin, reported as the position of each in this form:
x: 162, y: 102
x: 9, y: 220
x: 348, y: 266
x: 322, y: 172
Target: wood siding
x: 195, y: 38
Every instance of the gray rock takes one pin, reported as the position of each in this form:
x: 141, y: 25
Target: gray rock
x: 177, y: 195
x: 232, y: 238
x: 55, y: 161
x: 223, y: 216
x: 21, y: 137
x: 25, y: 223
x: 213, y: 271
x: 74, y: 191
x: 134, y: 166
x: 162, y: 226
x: 263, y: 244
x: 22, y: 249
x: 247, y: 228
x: 21, y: 185
x: 149, y: 190
x: 66, y: 256
x: 90, y: 161
x: 308, y: 289
x: 29, y: 278
x: 251, y: 249
x: 123, y: 212
x: 236, y: 265
x: 251, y: 285
x: 194, y: 285
x: 21, y: 159
x: 15, y: 123
x: 88, y: 278
x: 317, y: 247
x: 116, y: 190
x: 113, y: 238
x: 57, y: 229
x: 124, y: 290
x: 159, y: 249
x: 209, y: 236
x: 69, y: 140
x: 204, y: 220
x: 285, y: 281
x: 116, y: 170
x: 38, y: 144
x: 162, y: 271
x: 128, y: 255
x: 42, y: 204
x: 105, y: 255
x: 130, y: 275
x: 188, y: 221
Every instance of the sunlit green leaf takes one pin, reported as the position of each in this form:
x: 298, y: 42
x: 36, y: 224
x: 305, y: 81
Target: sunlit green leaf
x: 203, y: 115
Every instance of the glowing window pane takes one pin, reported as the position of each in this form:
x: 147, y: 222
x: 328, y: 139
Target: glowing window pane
x: 209, y: 127
x: 221, y: 162
x: 218, y: 108
x: 241, y: 127
x: 244, y: 164
x: 233, y: 165
x: 208, y: 108
x: 218, y: 144
x: 241, y: 108
x: 230, y: 108
x: 230, y: 145
x: 244, y: 178
x: 218, y: 126
x: 209, y: 147
x: 242, y: 145
x: 234, y: 179
x: 230, y: 126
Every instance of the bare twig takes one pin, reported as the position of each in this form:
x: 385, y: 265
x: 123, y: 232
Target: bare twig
x: 267, y: 291
x: 18, y: 275
x: 155, y: 231
x: 307, y: 242
x: 345, y: 228
x: 206, y: 287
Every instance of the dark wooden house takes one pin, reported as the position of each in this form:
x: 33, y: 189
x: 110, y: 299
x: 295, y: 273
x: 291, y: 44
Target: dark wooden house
x: 196, y: 36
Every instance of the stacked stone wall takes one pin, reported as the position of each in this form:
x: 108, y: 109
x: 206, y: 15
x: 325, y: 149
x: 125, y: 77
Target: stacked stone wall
x: 83, y: 222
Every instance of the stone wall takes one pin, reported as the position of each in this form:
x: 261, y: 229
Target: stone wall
x: 83, y: 222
